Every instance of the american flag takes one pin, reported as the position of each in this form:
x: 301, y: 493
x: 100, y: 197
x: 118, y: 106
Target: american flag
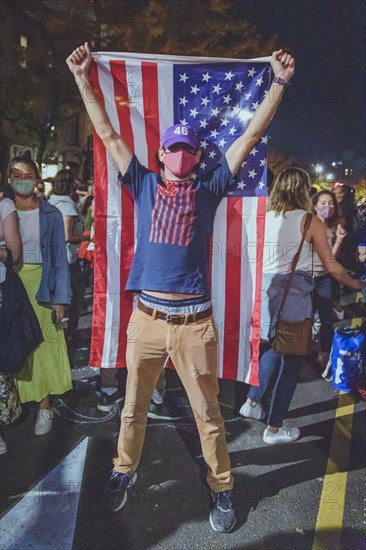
x: 143, y: 95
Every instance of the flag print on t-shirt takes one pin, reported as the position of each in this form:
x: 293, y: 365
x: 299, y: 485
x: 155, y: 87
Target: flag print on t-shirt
x: 173, y: 213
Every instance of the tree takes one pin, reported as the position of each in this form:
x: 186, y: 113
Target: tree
x: 186, y: 27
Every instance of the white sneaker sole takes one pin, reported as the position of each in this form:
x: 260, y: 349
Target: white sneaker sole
x: 261, y: 417
x: 107, y: 408
x: 160, y: 417
x: 281, y: 442
x: 218, y: 530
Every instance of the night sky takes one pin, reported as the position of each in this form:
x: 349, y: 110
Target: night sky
x: 322, y: 118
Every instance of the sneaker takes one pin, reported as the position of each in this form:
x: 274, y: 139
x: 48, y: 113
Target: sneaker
x: 107, y: 402
x: 284, y: 435
x: 222, y: 515
x: 250, y: 410
x: 163, y: 411
x: 44, y: 421
x: 3, y: 446
x: 115, y: 494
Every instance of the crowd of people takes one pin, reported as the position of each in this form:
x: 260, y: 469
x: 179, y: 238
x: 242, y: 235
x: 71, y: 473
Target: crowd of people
x: 51, y: 239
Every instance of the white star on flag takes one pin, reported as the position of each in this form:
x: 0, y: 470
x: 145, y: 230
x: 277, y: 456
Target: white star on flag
x: 214, y: 133
x: 239, y: 86
x: 264, y: 140
x: 203, y: 165
x: 194, y: 89
x: 254, y: 151
x: 183, y: 77
x: 247, y: 96
x: 217, y: 89
x: 229, y: 75
x: 232, y: 130
x: 183, y: 101
x: 241, y: 184
x: 204, y: 144
x: 224, y: 122
x: 183, y: 122
x: 259, y: 82
x: 252, y: 173
x: 205, y: 101
x: 203, y: 123
x: 215, y: 112
x: 252, y: 72
x: 222, y: 142
x: 194, y: 112
x: 227, y: 99
x: 206, y: 77
x: 263, y: 162
x: 212, y: 154
x: 255, y: 105
x: 261, y: 184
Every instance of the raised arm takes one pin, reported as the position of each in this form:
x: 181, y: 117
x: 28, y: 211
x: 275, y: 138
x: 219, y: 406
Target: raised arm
x: 318, y: 236
x: 79, y: 64
x: 283, y: 66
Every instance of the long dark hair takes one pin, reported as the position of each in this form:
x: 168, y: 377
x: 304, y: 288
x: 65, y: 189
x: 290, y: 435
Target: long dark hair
x: 333, y: 220
x: 64, y: 183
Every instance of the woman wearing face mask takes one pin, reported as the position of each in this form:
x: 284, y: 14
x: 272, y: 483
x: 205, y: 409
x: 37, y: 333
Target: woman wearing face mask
x: 45, y: 275
x: 285, y: 222
x: 326, y: 208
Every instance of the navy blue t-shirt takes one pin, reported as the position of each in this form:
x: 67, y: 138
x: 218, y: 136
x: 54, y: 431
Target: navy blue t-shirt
x: 175, y: 221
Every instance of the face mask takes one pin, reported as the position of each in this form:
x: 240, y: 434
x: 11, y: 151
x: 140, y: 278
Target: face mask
x: 23, y: 187
x: 325, y: 211
x: 180, y: 163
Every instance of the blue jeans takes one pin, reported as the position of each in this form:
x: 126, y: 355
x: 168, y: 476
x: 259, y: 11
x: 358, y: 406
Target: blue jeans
x: 323, y: 303
x: 285, y: 385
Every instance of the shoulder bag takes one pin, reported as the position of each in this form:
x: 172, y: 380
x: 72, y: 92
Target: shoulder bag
x: 293, y: 338
x: 20, y: 332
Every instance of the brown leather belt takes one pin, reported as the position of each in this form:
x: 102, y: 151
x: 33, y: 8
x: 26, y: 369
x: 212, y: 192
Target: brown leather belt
x: 175, y: 318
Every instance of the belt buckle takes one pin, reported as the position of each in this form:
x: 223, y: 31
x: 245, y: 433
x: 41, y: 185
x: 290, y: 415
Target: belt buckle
x: 170, y: 318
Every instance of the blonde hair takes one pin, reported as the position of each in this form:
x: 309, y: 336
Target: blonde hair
x: 290, y: 191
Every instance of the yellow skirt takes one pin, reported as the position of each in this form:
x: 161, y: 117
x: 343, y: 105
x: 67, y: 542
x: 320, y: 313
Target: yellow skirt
x: 47, y: 370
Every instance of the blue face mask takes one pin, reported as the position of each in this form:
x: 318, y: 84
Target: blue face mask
x: 23, y: 187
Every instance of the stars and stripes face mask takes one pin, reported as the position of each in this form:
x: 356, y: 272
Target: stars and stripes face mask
x: 180, y: 162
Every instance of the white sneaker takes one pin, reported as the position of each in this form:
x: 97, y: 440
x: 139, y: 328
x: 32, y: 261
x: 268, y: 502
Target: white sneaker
x: 3, y: 446
x: 284, y: 435
x: 44, y: 421
x: 252, y: 411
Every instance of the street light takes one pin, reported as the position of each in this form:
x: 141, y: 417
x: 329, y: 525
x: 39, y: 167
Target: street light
x: 318, y: 171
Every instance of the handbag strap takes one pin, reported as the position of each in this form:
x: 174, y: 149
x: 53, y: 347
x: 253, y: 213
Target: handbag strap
x: 9, y: 259
x: 295, y: 260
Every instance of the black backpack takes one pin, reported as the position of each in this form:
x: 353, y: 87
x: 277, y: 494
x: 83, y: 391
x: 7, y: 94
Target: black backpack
x: 20, y: 332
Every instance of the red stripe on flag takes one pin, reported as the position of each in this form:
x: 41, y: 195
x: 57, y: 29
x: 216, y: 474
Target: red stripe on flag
x: 185, y: 215
x: 232, y: 287
x: 178, y: 213
x: 161, y: 199
x: 193, y: 212
x: 163, y: 223
x: 100, y: 237
x: 170, y: 219
x: 149, y: 73
x: 256, y: 313
x: 121, y: 95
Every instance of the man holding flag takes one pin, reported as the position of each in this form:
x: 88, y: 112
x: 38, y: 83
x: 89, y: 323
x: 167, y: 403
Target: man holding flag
x: 170, y: 271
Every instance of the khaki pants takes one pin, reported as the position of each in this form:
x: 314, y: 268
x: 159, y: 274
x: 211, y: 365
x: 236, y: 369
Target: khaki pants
x: 193, y: 350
